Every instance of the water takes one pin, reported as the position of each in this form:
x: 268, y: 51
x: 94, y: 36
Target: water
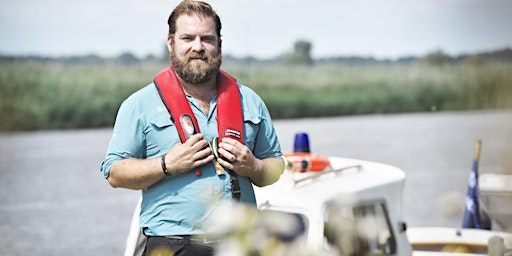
x: 54, y: 201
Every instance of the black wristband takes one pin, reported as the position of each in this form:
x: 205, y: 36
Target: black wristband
x: 164, y: 167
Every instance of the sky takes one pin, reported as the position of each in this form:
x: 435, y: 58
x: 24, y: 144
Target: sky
x: 260, y: 28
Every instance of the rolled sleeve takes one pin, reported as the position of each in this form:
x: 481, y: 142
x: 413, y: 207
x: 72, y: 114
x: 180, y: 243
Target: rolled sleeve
x: 128, y: 137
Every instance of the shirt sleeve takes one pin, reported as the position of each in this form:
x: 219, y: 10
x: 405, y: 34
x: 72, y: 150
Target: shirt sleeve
x: 265, y: 143
x: 128, y: 138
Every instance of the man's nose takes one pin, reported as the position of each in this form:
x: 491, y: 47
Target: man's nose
x: 197, y: 45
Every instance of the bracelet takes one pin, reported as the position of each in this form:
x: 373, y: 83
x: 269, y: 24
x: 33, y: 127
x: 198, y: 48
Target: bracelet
x: 164, y: 167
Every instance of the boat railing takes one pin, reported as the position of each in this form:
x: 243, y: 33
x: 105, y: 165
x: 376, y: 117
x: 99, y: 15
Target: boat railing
x: 315, y: 175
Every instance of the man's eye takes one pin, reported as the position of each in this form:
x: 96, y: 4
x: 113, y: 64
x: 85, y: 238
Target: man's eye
x: 208, y: 39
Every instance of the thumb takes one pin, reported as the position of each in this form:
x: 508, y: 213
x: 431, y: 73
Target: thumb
x: 194, y: 138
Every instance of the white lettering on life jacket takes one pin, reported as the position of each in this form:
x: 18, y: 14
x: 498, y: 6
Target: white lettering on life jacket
x: 232, y: 133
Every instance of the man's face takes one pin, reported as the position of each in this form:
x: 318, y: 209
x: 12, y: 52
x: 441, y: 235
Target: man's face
x: 195, y: 51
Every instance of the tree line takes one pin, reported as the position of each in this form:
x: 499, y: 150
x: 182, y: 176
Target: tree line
x: 299, y: 55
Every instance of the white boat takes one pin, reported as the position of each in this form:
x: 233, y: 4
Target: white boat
x: 363, y: 199
x: 496, y: 197
x: 355, y: 207
x: 451, y: 241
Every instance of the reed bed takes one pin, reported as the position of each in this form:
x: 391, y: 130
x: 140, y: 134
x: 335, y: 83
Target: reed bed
x: 331, y: 90
x: 35, y: 95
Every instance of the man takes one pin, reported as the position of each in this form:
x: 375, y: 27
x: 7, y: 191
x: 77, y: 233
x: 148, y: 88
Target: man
x: 180, y: 178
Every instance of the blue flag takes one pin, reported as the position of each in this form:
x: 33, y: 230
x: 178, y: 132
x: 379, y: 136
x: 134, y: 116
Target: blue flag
x: 472, y: 217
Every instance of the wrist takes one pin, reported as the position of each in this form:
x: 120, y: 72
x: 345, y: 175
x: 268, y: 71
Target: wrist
x: 258, y: 169
x: 164, y: 166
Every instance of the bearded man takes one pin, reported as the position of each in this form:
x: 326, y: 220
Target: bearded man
x: 192, y: 138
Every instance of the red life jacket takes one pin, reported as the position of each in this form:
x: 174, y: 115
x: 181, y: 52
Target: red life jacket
x: 229, y: 110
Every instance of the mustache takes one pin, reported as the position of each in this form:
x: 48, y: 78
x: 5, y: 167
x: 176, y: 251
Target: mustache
x: 197, y: 55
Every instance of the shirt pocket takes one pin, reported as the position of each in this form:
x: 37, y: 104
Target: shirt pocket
x: 161, y: 134
x: 251, y: 126
x: 159, y: 122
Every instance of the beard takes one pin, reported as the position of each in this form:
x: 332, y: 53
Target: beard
x: 196, y: 72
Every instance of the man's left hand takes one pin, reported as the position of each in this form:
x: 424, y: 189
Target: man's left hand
x: 237, y: 157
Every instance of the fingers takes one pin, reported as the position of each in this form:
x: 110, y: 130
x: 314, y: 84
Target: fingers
x: 194, y: 139
x: 203, y: 161
x: 196, y: 142
x: 202, y: 153
x: 193, y: 153
x: 231, y: 145
x: 236, y: 156
x: 231, y: 149
x: 205, y: 153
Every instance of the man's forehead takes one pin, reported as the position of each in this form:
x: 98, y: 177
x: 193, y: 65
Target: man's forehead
x: 195, y: 22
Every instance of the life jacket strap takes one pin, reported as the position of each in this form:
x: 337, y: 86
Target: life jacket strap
x: 229, y: 112
x: 174, y: 99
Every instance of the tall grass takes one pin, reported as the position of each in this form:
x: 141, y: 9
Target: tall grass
x: 36, y: 96
x: 54, y: 96
x: 330, y: 90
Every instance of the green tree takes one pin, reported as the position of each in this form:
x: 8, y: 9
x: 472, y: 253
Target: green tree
x: 437, y: 58
x: 127, y: 58
x: 474, y: 59
x: 301, y: 54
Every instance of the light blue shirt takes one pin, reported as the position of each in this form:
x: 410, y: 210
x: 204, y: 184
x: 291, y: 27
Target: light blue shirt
x: 178, y: 204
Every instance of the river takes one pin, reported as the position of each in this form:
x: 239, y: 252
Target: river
x: 54, y: 201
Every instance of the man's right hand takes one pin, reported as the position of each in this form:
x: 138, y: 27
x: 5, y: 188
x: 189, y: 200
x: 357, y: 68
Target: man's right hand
x: 137, y: 174
x: 187, y: 156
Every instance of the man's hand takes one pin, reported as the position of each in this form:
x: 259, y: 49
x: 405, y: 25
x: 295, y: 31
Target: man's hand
x: 187, y: 156
x: 238, y: 158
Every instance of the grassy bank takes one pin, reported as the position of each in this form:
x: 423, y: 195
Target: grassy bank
x: 54, y: 96
x: 342, y: 90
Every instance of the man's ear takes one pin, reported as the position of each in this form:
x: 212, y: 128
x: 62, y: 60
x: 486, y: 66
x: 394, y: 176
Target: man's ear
x: 169, y: 43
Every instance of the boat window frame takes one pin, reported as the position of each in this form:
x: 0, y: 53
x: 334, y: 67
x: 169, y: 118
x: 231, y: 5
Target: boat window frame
x: 388, y: 247
x: 302, y: 215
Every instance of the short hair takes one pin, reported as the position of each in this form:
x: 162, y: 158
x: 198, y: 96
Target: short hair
x: 189, y: 7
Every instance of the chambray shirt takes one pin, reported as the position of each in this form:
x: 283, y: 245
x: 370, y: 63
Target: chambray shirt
x: 178, y: 204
